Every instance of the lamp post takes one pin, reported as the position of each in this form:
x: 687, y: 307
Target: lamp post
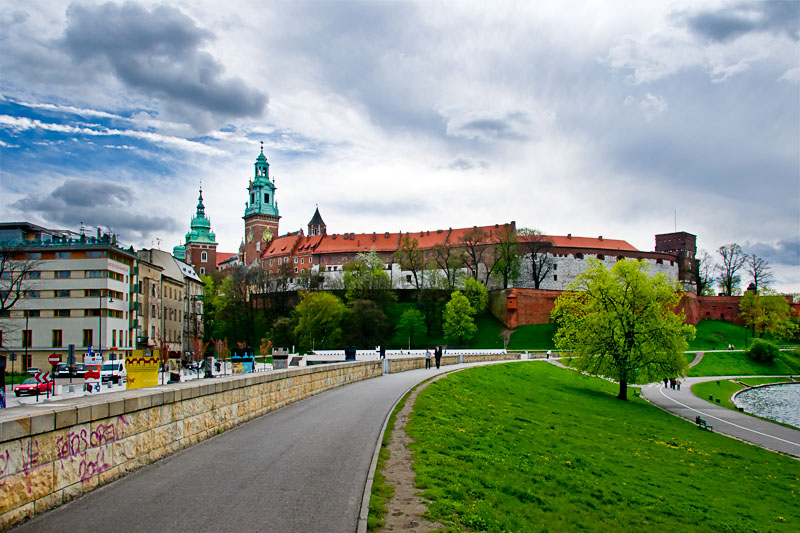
x: 100, y: 321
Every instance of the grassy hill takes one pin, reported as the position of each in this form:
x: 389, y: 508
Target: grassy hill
x: 531, y: 447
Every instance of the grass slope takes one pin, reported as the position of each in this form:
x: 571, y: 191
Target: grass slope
x: 738, y: 364
x: 533, y: 337
x: 531, y: 447
x: 718, y: 334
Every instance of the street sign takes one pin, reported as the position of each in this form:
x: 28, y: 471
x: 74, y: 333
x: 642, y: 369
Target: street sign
x: 54, y: 359
x: 42, y: 377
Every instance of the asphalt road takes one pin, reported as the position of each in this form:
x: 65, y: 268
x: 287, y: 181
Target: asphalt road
x: 301, y: 468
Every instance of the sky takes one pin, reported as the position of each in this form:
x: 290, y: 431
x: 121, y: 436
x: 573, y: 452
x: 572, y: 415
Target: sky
x: 622, y: 119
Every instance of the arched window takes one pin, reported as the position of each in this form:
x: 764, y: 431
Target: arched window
x: 203, y: 256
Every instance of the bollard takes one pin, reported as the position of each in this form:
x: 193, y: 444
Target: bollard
x: 710, y: 398
x: 717, y: 400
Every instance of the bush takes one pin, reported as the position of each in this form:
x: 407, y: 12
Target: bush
x: 762, y: 351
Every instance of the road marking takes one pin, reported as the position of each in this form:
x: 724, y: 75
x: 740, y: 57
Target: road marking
x: 661, y: 390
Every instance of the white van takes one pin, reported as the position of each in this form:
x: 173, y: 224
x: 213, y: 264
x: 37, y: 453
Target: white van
x: 113, y: 371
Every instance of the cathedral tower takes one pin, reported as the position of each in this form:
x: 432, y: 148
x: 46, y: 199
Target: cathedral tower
x: 261, y: 212
x: 201, y: 245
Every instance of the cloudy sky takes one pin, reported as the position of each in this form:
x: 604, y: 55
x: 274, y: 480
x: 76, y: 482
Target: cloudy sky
x: 621, y: 119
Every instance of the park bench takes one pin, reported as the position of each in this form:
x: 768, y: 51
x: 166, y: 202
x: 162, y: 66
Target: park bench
x: 703, y: 424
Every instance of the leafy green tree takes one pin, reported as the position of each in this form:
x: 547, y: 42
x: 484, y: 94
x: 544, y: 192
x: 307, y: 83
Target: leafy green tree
x: 622, y: 324
x: 319, y: 317
x: 507, y: 262
x: 366, y: 279
x: 762, y: 351
x: 476, y: 293
x: 282, y: 332
x: 767, y: 313
x: 410, y: 327
x: 459, y: 321
x: 365, y: 325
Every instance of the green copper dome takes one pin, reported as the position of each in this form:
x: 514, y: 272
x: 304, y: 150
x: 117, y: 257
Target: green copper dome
x: 261, y: 190
x: 200, y: 228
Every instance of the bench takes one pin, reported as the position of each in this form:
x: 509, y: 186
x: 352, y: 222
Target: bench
x: 703, y: 424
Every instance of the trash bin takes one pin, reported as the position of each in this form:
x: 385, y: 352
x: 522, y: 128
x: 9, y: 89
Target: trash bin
x: 349, y: 353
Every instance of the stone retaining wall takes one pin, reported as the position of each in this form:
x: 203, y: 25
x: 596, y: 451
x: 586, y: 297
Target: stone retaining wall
x: 52, y: 453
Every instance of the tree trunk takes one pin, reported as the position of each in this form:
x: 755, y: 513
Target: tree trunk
x: 623, y: 390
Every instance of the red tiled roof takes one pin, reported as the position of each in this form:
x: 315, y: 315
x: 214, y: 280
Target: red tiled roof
x: 571, y: 241
x: 358, y: 242
x: 281, y: 246
x: 223, y: 256
x: 493, y: 233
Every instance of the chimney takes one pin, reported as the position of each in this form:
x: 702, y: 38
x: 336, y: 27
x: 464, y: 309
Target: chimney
x: 600, y: 237
x: 569, y: 235
x: 373, y: 236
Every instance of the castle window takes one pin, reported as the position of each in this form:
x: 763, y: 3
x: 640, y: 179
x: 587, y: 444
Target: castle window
x: 601, y: 257
x: 202, y: 270
x: 659, y: 261
x: 555, y: 266
x: 266, y: 198
x: 204, y: 256
x: 578, y: 256
x: 555, y: 277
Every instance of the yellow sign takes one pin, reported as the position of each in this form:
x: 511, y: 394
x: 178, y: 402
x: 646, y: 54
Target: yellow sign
x: 142, y: 369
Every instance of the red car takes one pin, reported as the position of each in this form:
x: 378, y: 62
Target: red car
x: 31, y: 386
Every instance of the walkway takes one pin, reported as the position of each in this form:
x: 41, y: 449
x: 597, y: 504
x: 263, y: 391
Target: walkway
x: 302, y: 468
x: 726, y: 421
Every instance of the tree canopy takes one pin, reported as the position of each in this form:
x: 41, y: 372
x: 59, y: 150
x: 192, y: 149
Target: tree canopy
x: 458, y: 318
x: 767, y: 313
x: 318, y: 320
x: 622, y: 324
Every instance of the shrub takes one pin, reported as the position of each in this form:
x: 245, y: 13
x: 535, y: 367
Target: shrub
x: 762, y: 351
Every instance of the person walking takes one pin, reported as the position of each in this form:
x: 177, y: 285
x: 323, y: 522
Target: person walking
x: 437, y: 353
x: 549, y: 353
x: 427, y: 359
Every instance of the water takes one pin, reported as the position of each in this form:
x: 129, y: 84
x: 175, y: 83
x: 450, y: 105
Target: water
x: 776, y: 402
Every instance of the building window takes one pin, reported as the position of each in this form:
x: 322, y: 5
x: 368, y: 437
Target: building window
x: 113, y: 337
x: 57, y: 340
x: 32, y: 294
x: 63, y: 274
x: 33, y: 255
x: 202, y: 270
x: 266, y: 198
x: 33, y: 313
x: 301, y: 260
x: 555, y: 277
x: 295, y: 260
x: 295, y: 270
x: 95, y: 273
x: 33, y: 275
x: 87, y: 337
x: 27, y: 338
x: 153, y: 311
x: 94, y: 254
x: 555, y: 266
x: 62, y: 312
x: 62, y: 293
x: 63, y: 255
x: 659, y: 261
x: 203, y: 256
x: 578, y: 256
x: 601, y: 257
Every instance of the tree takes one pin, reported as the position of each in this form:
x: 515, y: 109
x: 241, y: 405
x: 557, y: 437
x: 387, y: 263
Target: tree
x: 704, y: 268
x: 732, y: 262
x: 475, y: 243
x: 768, y: 313
x: 282, y: 332
x: 458, y: 318
x: 365, y: 325
x: 449, y: 259
x: 759, y: 270
x: 477, y: 295
x: 366, y: 279
x: 411, y: 258
x: 506, y: 264
x: 622, y: 324
x: 539, y: 248
x: 16, y: 271
x: 319, y: 317
x: 410, y: 327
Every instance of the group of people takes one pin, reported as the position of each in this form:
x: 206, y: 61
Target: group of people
x: 437, y: 353
x: 672, y: 383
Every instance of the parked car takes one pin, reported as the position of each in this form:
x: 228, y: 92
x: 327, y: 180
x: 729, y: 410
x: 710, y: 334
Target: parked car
x: 31, y: 386
x: 32, y: 370
x: 113, y: 371
x: 63, y: 371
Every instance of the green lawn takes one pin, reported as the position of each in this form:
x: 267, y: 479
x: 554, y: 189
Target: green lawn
x: 533, y: 337
x: 738, y: 364
x: 717, y: 334
x: 531, y: 447
x: 722, y: 389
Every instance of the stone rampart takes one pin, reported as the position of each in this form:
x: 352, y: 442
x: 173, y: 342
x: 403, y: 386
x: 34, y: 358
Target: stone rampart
x: 54, y: 452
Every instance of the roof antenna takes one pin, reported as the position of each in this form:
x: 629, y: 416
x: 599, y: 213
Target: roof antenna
x: 676, y: 221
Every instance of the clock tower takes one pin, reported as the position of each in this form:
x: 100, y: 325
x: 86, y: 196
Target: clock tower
x: 261, y: 212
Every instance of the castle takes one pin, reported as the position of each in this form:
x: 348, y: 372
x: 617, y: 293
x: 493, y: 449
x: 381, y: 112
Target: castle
x: 550, y: 262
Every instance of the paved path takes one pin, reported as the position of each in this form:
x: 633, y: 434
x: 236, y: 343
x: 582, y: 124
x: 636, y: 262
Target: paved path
x: 726, y: 421
x: 301, y: 468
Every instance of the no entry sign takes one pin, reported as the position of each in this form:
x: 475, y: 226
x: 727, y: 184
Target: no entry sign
x: 54, y: 359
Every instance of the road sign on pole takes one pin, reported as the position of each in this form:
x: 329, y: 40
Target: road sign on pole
x: 54, y: 359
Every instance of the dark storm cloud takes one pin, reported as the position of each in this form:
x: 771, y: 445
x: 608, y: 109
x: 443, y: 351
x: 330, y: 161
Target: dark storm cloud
x: 785, y: 252
x: 95, y: 203
x: 734, y: 21
x: 158, y: 53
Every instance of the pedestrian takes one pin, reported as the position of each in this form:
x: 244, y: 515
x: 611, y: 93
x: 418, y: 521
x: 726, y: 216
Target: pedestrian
x: 427, y: 359
x: 665, y: 383
x: 437, y: 353
x: 678, y: 384
x: 548, y: 353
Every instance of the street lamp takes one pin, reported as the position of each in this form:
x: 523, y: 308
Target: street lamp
x: 100, y: 321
